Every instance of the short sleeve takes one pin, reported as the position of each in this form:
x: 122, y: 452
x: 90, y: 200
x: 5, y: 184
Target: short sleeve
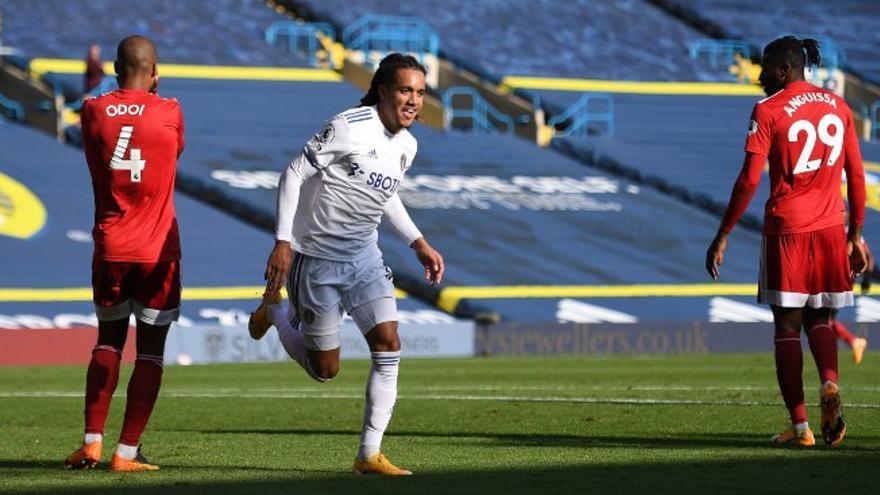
x: 760, y: 132
x: 329, y: 145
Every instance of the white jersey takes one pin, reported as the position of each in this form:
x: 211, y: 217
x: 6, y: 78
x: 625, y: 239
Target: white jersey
x: 360, y: 166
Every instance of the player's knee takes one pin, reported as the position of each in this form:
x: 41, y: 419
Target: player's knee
x: 389, y: 344
x: 323, y: 372
x: 384, y: 338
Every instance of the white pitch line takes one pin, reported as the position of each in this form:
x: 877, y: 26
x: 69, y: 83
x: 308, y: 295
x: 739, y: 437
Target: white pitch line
x: 514, y: 388
x: 490, y: 398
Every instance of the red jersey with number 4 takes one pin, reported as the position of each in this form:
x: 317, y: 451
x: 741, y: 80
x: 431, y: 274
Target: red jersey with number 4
x: 132, y: 140
x: 808, y: 137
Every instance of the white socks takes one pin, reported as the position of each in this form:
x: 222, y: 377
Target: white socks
x: 128, y: 452
x: 292, y: 339
x: 381, y: 396
x: 93, y: 437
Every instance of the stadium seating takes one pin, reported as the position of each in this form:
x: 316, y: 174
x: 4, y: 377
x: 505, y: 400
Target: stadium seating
x: 628, y: 40
x: 851, y: 25
x: 480, y: 199
x: 697, y: 155
x: 220, y: 32
x: 689, y: 144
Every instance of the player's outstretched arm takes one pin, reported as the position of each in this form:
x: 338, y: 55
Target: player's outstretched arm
x: 430, y: 259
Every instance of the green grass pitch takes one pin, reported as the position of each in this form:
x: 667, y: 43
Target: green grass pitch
x: 565, y: 425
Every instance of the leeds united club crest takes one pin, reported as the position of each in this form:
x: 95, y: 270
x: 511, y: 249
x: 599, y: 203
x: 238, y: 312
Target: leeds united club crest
x: 403, y: 162
x: 323, y: 138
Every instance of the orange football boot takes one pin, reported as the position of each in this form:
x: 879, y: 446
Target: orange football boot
x: 139, y: 463
x: 85, y: 457
x: 833, y: 425
x: 790, y: 436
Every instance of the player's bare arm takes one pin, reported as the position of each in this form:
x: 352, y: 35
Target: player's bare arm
x: 715, y: 255
x: 431, y: 259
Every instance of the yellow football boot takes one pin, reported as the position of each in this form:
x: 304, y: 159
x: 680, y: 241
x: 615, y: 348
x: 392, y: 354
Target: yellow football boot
x: 378, y: 464
x: 858, y: 349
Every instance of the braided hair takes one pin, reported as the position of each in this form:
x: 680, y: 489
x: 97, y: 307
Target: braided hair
x: 386, y: 75
x: 794, y: 52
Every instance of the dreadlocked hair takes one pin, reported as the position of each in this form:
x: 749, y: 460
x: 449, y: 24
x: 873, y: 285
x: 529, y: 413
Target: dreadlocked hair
x: 386, y: 75
x: 795, y: 52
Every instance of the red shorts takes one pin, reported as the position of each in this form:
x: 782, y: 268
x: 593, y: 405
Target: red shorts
x: 149, y: 290
x: 806, y: 269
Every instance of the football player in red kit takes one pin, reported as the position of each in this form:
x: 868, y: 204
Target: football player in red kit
x: 132, y: 139
x: 808, y: 259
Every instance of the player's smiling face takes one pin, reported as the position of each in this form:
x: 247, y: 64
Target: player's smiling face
x: 400, y: 105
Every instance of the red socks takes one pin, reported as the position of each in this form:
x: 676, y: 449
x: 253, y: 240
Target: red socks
x: 101, y: 379
x: 823, y: 345
x: 143, y: 389
x: 843, y: 333
x: 789, y: 371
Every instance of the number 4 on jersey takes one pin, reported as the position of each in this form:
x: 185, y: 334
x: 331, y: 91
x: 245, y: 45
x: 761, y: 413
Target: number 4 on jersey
x: 134, y: 163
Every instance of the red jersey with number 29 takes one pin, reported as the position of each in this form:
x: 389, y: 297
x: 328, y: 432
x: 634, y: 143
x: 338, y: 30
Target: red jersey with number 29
x: 808, y: 137
x: 132, y: 140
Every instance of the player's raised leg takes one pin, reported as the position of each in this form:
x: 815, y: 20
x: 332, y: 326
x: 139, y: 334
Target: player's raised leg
x: 856, y: 344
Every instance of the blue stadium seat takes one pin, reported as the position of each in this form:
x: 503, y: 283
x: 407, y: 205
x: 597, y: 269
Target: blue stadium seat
x: 624, y: 40
x: 220, y: 32
x: 855, y: 26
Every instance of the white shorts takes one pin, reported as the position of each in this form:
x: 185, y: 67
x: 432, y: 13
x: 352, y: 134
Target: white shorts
x: 320, y: 290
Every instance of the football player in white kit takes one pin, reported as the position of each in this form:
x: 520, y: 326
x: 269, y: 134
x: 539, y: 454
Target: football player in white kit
x: 331, y: 199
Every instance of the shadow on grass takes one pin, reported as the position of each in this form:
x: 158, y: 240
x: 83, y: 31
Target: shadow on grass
x: 796, y: 473
x: 689, y: 441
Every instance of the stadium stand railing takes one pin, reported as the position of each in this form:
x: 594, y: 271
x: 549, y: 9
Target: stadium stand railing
x: 874, y: 116
x: 309, y: 38
x: 581, y: 119
x: 719, y: 53
x: 484, y: 118
x: 11, y: 108
x: 385, y: 33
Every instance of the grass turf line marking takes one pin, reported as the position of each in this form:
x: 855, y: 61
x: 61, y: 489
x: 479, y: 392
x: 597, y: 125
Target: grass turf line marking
x: 488, y: 398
